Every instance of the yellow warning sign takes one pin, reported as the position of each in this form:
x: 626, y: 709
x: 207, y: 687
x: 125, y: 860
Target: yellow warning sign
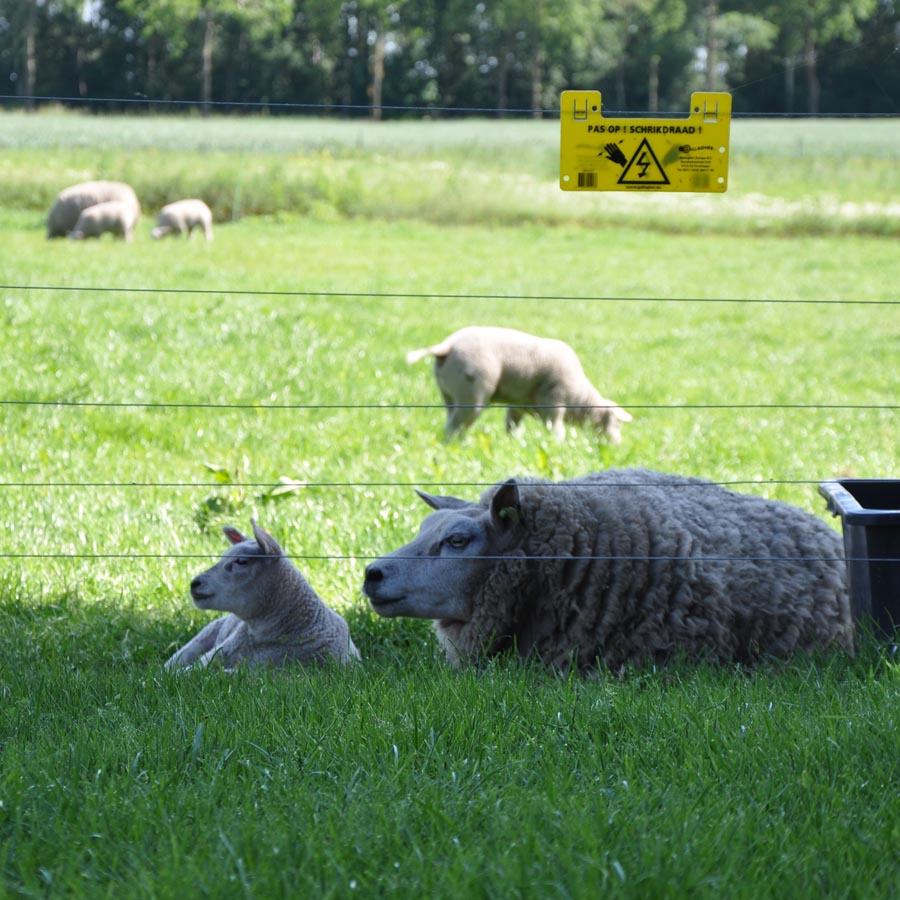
x: 676, y: 153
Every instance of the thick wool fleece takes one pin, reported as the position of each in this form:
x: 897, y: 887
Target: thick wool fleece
x: 681, y: 565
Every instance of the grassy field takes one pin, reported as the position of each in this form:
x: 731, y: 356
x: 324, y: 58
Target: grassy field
x: 281, y: 346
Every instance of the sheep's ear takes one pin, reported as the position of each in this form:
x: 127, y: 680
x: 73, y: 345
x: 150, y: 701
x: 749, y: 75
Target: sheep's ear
x: 436, y: 502
x: 506, y: 507
x: 233, y: 534
x: 266, y: 542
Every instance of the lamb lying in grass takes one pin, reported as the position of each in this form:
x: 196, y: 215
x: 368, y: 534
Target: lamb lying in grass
x: 274, y: 616
x: 114, y: 216
x: 70, y: 202
x: 619, y: 567
x: 479, y: 365
x: 182, y: 217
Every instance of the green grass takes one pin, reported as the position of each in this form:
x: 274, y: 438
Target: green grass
x: 403, y: 778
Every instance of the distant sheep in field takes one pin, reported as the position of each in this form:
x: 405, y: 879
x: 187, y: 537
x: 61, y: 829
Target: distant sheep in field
x: 182, y: 217
x: 69, y: 203
x: 616, y: 568
x: 274, y: 616
x: 113, y: 216
x: 477, y: 366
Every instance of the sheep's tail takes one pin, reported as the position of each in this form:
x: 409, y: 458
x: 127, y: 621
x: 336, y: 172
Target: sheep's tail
x: 438, y: 350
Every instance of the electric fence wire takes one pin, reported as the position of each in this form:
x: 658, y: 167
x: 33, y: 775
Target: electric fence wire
x: 395, y: 295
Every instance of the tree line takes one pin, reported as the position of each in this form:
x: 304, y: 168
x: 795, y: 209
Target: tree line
x: 376, y: 58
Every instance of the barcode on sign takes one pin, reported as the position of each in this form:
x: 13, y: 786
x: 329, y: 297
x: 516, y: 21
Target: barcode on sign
x: 587, y: 179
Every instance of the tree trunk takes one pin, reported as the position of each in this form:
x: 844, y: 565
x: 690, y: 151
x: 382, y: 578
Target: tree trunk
x: 79, y: 70
x: 790, y: 71
x: 207, y: 55
x: 377, y: 76
x: 711, y: 14
x: 813, y: 89
x: 621, y: 96
x: 653, y: 84
x: 502, y: 83
x: 537, y: 81
x: 30, y: 79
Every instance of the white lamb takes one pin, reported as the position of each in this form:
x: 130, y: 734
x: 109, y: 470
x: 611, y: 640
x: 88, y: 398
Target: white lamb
x: 274, y: 616
x: 69, y: 203
x: 182, y: 217
x: 476, y: 366
x: 114, y: 216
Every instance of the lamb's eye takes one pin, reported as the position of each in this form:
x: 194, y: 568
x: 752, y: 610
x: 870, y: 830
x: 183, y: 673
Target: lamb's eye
x: 241, y: 561
x: 458, y: 541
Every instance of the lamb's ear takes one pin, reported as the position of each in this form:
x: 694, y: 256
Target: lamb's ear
x: 506, y: 507
x: 233, y: 534
x: 266, y: 542
x: 436, y: 502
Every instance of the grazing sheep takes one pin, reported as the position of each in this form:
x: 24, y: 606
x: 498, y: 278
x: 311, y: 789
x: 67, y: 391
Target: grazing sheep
x: 274, y: 616
x: 619, y: 567
x: 113, y: 216
x: 477, y: 366
x: 182, y: 217
x: 69, y: 203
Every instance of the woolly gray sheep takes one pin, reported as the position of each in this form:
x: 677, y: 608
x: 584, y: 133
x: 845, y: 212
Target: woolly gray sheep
x: 112, y: 216
x: 69, y: 203
x: 619, y: 567
x: 274, y: 616
x: 182, y: 217
x: 543, y: 376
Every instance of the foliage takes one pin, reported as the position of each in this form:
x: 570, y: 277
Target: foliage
x: 508, y: 54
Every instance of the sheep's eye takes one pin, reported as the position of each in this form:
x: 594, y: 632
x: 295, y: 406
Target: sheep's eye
x: 458, y: 541
x: 241, y: 561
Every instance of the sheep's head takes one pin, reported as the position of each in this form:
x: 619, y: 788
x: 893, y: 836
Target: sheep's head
x: 608, y: 418
x: 439, y: 573
x: 244, y: 580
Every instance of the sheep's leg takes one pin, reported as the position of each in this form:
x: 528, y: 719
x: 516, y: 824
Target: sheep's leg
x: 197, y: 646
x: 554, y: 421
x: 233, y: 646
x: 459, y: 418
x: 513, y: 418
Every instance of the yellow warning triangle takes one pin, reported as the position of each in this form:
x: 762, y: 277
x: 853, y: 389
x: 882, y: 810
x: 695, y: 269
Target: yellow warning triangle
x: 643, y: 167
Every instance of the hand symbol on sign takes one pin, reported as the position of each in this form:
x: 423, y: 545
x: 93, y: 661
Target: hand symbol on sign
x: 614, y: 154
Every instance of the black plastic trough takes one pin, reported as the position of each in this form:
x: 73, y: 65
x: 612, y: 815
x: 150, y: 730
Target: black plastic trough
x: 870, y: 515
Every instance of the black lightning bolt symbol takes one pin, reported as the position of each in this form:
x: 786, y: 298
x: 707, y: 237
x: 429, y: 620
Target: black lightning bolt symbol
x: 644, y: 165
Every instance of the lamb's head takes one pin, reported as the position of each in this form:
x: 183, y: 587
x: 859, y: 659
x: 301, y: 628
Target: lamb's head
x: 437, y: 575
x: 607, y: 416
x: 246, y: 578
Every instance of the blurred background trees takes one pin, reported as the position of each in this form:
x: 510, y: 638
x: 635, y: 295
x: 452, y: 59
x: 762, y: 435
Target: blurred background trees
x: 370, y: 55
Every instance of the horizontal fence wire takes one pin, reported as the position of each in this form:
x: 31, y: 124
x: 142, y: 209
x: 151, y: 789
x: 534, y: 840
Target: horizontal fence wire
x: 429, y: 110
x: 262, y: 407
x: 394, y: 295
x: 406, y: 484
x: 361, y: 557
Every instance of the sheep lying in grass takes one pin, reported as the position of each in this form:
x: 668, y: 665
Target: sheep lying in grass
x: 113, y: 216
x: 274, y: 616
x: 616, y: 568
x: 182, y: 217
x: 477, y: 366
x: 69, y: 203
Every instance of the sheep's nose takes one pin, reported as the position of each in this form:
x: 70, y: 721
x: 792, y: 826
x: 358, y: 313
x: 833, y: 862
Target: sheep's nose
x: 196, y: 582
x: 374, y: 573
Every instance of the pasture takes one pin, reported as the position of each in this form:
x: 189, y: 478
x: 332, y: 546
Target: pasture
x: 155, y: 391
